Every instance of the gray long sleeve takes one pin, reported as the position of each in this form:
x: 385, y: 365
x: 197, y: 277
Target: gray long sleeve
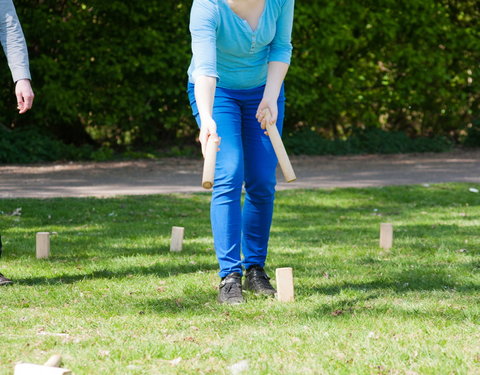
x: 13, y: 41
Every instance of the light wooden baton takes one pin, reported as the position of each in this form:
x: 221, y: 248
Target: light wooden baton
x: 209, y: 163
x: 279, y: 148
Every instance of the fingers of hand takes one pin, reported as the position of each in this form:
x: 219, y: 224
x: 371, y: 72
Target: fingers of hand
x: 204, y: 149
x: 25, y: 96
x: 269, y: 118
x: 260, y: 116
x: 24, y: 102
x: 206, y: 136
x: 20, y: 102
x: 218, y: 140
x: 22, y: 107
x: 203, y: 141
x: 263, y: 124
x: 28, y: 101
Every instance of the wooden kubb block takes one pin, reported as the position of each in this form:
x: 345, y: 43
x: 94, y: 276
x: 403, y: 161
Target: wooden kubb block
x: 386, y: 235
x: 177, y: 239
x: 51, y: 367
x: 32, y: 369
x: 285, y: 289
x: 43, y: 245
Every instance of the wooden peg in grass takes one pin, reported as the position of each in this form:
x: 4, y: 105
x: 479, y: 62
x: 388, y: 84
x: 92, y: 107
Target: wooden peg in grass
x: 177, y: 239
x: 386, y: 235
x: 43, y: 245
x: 285, y: 290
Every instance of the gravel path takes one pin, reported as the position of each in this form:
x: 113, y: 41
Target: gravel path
x: 183, y: 176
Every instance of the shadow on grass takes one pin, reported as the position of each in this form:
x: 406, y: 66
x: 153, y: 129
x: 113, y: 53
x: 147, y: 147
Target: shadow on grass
x: 367, y: 308
x: 159, y: 270
x: 401, y: 282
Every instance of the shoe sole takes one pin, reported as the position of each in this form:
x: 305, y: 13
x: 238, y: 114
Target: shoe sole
x: 230, y: 303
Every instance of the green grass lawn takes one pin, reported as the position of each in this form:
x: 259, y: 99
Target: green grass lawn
x: 113, y: 299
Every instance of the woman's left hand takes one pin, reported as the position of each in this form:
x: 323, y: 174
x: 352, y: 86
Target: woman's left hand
x: 271, y: 105
x: 24, y: 93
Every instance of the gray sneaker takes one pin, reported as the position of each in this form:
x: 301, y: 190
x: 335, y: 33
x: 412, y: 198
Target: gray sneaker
x: 4, y: 280
x: 230, y: 289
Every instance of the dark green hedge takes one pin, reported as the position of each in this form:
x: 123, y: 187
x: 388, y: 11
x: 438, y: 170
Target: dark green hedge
x: 113, y: 73
x: 108, y: 71
x: 403, y: 65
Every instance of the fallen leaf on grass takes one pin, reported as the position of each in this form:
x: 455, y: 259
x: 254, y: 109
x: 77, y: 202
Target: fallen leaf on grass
x: 17, y: 212
x: 239, y: 367
x: 175, y: 361
x: 41, y: 332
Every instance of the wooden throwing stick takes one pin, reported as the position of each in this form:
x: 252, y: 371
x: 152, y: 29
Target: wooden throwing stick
x: 279, y: 148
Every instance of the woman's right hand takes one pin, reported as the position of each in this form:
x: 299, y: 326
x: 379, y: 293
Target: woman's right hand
x: 207, y: 130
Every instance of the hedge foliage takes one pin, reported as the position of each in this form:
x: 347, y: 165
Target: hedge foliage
x: 113, y: 73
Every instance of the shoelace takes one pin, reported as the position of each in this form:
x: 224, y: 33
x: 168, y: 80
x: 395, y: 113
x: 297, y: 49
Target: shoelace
x: 232, y: 285
x: 260, y: 279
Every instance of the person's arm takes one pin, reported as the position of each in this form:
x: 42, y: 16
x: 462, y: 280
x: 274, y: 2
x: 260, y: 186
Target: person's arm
x: 279, y: 62
x: 204, y: 95
x: 276, y: 74
x: 15, y: 48
x: 203, y: 21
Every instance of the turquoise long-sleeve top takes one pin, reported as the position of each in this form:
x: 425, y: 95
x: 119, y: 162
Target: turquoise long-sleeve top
x: 13, y: 41
x: 224, y: 45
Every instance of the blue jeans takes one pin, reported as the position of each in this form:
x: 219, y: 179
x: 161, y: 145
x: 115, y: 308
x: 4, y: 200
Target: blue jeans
x: 246, y: 156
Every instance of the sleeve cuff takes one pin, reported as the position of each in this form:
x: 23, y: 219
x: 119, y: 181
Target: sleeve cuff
x: 284, y: 56
x: 19, y: 74
x: 204, y: 72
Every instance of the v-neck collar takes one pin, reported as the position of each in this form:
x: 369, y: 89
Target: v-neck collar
x: 244, y: 21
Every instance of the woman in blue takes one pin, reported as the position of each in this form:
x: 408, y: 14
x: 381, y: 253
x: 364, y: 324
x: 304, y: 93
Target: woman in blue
x: 241, y: 54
